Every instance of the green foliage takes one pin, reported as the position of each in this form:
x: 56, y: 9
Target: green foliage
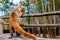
x: 57, y: 4
x: 4, y: 8
x: 5, y: 27
x: 11, y: 3
x: 27, y: 2
x: 7, y: 1
x: 45, y: 22
x: 8, y: 14
x: 24, y: 4
x: 1, y: 9
x: 2, y: 1
x: 7, y: 6
x: 28, y: 20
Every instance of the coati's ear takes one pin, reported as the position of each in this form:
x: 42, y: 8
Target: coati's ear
x: 22, y: 8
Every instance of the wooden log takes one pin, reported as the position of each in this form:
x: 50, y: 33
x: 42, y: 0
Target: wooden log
x: 37, y: 25
x: 42, y: 14
x: 37, y: 14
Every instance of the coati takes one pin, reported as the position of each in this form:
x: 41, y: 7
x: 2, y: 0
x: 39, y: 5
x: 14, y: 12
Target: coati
x: 14, y: 15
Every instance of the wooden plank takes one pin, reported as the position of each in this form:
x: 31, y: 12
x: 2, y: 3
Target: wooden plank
x: 42, y: 14
x: 37, y: 25
x: 41, y: 25
x: 38, y: 14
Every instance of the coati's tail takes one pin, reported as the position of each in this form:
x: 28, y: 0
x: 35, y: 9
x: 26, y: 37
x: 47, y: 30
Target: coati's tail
x: 19, y: 29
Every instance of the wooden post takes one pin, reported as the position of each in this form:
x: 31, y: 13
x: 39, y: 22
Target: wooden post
x: 54, y: 19
x: 1, y: 30
x: 59, y: 31
x: 43, y: 19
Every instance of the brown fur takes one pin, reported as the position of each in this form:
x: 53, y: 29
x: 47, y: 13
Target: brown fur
x: 14, y: 23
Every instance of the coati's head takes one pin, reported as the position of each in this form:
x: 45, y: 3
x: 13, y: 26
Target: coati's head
x: 21, y: 9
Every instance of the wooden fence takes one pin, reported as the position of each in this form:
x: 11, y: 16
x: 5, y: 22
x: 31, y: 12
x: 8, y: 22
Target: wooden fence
x: 38, y: 25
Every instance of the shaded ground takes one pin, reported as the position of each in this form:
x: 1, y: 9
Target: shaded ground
x: 6, y: 37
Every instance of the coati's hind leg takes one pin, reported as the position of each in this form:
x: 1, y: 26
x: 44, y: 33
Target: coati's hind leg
x: 11, y: 31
